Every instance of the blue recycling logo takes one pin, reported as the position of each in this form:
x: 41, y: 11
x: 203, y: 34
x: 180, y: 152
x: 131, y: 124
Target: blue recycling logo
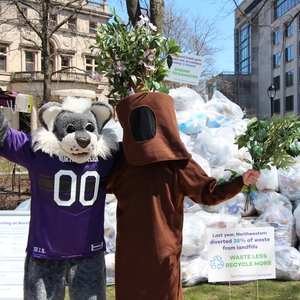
x: 217, y: 262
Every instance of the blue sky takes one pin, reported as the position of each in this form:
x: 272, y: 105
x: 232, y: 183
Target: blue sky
x: 220, y: 11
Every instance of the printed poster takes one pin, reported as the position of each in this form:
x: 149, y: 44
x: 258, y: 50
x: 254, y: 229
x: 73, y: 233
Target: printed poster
x: 186, y: 68
x: 241, y: 254
x: 14, y: 227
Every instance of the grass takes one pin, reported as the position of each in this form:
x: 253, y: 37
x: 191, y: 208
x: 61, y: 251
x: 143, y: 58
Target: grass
x: 253, y: 290
x: 7, y: 167
x: 262, y: 289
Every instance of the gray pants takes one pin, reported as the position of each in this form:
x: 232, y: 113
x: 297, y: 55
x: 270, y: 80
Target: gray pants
x: 46, y: 279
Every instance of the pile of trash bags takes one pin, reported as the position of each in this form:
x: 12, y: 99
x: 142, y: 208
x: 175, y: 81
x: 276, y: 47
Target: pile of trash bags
x: 208, y: 130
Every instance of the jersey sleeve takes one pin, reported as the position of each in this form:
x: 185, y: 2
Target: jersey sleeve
x: 17, y: 148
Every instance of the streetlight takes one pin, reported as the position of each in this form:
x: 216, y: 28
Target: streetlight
x: 271, y: 94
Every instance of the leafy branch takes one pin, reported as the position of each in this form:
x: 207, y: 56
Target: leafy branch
x: 133, y: 58
x: 271, y: 143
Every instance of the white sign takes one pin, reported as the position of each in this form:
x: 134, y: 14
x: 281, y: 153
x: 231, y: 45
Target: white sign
x: 24, y: 103
x: 14, y: 226
x: 186, y: 68
x: 241, y: 254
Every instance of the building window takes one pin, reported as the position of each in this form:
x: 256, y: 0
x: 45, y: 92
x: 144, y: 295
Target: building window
x: 72, y: 24
x: 289, y: 78
x: 2, y: 58
x: 29, y: 61
x: 276, y: 81
x: 53, y: 20
x: 289, y: 53
x: 288, y: 29
x: 289, y: 103
x: 276, y: 37
x: 282, y: 6
x: 276, y: 60
x: 65, y: 63
x: 243, y: 65
x: 93, y: 27
x: 276, y: 104
x: 90, y: 64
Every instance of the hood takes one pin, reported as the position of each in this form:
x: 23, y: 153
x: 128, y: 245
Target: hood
x: 150, y: 130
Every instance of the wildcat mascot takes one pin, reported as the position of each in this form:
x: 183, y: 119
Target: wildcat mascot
x: 68, y: 160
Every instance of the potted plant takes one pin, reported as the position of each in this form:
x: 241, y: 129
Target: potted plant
x: 133, y: 58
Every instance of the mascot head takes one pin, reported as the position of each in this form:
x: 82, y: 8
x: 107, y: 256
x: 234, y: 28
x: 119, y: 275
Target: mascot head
x: 74, y: 129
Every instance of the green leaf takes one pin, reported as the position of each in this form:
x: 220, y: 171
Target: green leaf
x: 169, y: 61
x: 271, y: 142
x: 261, y: 135
x: 252, y: 122
x: 174, y: 50
x: 256, y: 151
x: 263, y: 124
x: 221, y: 181
x: 171, y: 43
x: 164, y: 90
x: 155, y: 85
x: 294, y: 148
x: 134, y: 79
x: 234, y: 175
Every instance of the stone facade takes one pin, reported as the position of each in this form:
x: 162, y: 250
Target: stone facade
x: 73, y: 63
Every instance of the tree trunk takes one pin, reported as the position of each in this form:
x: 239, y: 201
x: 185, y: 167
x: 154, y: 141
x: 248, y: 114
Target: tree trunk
x: 33, y: 119
x: 133, y: 10
x: 47, y: 70
x: 46, y: 52
x: 157, y: 13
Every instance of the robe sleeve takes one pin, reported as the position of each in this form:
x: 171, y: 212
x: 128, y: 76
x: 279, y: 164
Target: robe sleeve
x: 203, y: 189
x: 116, y: 172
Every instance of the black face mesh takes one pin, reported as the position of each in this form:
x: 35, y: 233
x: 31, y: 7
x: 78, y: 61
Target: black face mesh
x: 143, y: 124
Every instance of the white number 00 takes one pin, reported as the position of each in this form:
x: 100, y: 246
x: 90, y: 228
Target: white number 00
x: 73, y: 187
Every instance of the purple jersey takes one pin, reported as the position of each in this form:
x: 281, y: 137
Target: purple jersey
x: 67, y: 200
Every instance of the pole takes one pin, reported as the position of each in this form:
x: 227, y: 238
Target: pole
x: 272, y: 105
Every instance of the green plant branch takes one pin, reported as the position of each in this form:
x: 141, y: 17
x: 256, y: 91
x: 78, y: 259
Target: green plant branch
x: 133, y: 58
x: 273, y: 142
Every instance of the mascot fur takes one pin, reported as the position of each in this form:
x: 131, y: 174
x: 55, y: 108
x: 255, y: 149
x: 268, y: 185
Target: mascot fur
x: 68, y: 160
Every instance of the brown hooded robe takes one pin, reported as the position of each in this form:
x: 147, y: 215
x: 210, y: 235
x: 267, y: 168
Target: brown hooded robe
x: 150, y: 181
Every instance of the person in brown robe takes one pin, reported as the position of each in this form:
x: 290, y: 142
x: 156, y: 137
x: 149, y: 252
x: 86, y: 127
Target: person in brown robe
x: 150, y: 180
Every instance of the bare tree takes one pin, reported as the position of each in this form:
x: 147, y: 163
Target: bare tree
x: 38, y: 29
